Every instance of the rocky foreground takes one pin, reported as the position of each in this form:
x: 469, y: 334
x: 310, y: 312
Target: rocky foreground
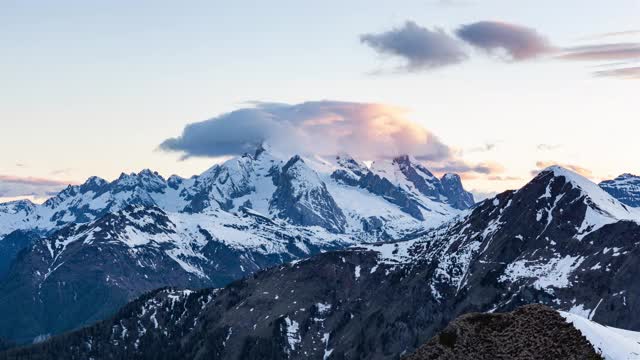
x: 529, y: 332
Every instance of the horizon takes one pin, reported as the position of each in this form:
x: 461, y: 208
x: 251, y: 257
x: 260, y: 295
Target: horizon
x: 494, y: 92
x: 478, y: 196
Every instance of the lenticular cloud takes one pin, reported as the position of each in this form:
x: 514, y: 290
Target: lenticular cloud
x: 366, y: 130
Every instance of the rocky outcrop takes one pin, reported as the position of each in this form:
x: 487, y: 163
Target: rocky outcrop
x: 455, y: 193
x: 532, y: 332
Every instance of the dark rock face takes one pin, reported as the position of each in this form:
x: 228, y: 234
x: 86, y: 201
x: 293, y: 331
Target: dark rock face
x: 11, y: 245
x: 625, y: 188
x: 302, y: 198
x: 532, y: 332
x: 446, y: 190
x: 455, y: 193
x: 420, y: 177
x: 383, y: 187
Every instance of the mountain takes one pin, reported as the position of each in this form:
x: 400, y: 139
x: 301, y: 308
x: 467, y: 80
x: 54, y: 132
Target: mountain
x: 93, y: 247
x: 625, y: 188
x: 531, y: 332
x: 334, y: 194
x: 560, y: 240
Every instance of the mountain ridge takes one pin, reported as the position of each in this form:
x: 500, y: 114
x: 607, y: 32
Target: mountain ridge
x: 556, y: 241
x: 249, y: 213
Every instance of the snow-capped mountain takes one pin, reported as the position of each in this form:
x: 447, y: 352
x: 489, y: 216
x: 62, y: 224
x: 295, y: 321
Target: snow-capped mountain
x: 103, y: 243
x: 334, y: 194
x: 625, y: 188
x: 560, y: 241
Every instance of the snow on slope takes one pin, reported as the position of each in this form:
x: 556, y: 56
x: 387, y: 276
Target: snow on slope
x: 243, y: 182
x: 612, y: 343
x: 16, y: 215
x: 625, y: 188
x: 602, y: 208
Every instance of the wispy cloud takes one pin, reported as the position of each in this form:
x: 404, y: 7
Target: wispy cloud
x: 503, y: 178
x: 13, y: 187
x: 461, y: 167
x: 425, y: 49
x: 421, y: 48
x: 631, y: 73
x: 601, y: 52
x: 483, y: 148
x: 612, y: 34
x: 541, y: 165
x: 548, y: 147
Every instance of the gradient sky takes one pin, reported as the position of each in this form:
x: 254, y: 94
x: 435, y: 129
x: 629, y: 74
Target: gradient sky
x: 92, y: 88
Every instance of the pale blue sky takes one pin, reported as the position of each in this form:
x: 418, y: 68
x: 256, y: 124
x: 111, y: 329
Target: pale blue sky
x: 93, y: 87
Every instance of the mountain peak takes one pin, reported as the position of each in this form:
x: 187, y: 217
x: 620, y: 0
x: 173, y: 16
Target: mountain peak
x: 625, y: 188
x: 582, y: 183
x: 95, y: 181
x: 557, y: 192
x: 451, y: 177
x: 404, y: 159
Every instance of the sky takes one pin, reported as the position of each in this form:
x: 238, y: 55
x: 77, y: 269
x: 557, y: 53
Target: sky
x: 493, y: 90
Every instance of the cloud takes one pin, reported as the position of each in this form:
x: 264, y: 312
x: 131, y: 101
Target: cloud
x: 518, y: 42
x: 460, y: 167
x: 548, y: 147
x: 613, y: 34
x: 602, y: 52
x: 484, y: 148
x: 425, y: 49
x: 419, y: 46
x: 366, y: 130
x: 622, y: 73
x: 541, y: 165
x: 504, y: 178
x: 32, y: 187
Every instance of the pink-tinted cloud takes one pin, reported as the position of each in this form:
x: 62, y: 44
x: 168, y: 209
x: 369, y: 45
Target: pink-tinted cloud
x: 541, y: 165
x: 466, y: 170
x: 503, y: 178
x: 364, y: 130
x: 367, y: 131
x: 12, y: 186
x: 516, y: 41
x: 601, y: 52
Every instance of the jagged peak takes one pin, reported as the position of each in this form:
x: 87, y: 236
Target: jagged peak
x: 576, y: 180
x: 558, y: 183
x: 17, y: 205
x: 149, y: 173
x: 622, y: 178
x: 451, y: 177
x: 95, y: 181
x: 292, y: 161
x: 405, y: 158
x: 262, y: 148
